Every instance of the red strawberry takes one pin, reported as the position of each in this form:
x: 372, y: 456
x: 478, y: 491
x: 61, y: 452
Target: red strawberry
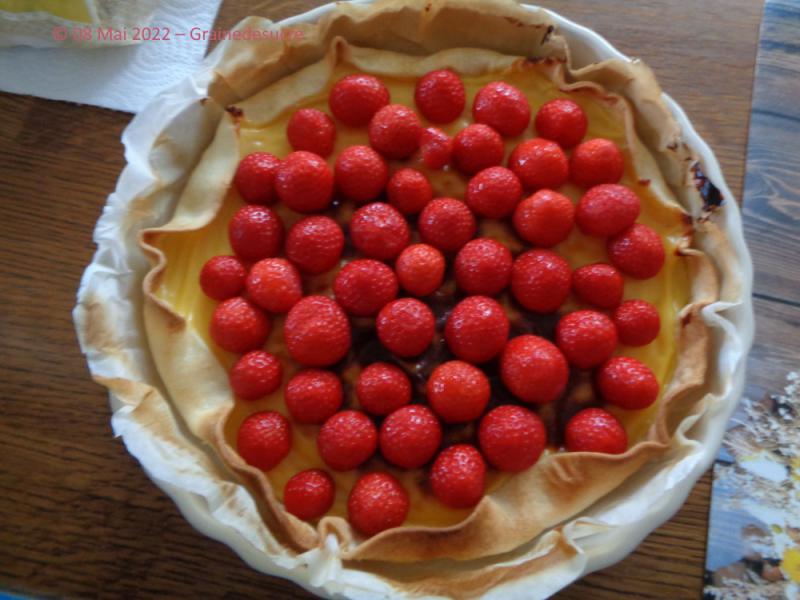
x: 377, y: 502
x: 406, y: 327
x: 409, y: 191
x: 483, y: 267
x: 512, y: 438
x: 347, y: 440
x: 309, y: 494
x: 637, y: 321
x: 638, y: 251
x: 440, y: 96
x: 493, y: 193
x: 264, y: 440
x: 420, y: 269
x: 458, y: 392
x: 255, y: 232
x: 606, y: 210
x: 365, y: 286
x: 394, y: 131
x: 540, y: 280
x: 222, y: 277
x: 562, y: 121
x: 539, y: 163
x: 354, y: 99
x: 255, y: 178
x: 436, y: 148
x: 304, y: 182
x: 544, y: 219
x: 255, y: 375
x: 503, y: 107
x: 599, y: 284
x: 315, y: 244
x: 382, y: 388
x: 379, y: 231
x: 360, y: 173
x: 274, y: 284
x: 596, y: 161
x: 477, y: 147
x: 627, y: 383
x: 458, y: 476
x: 317, y: 332
x: 237, y: 325
x: 313, y: 395
x: 586, y: 337
x: 311, y: 130
x: 477, y: 329
x: 410, y: 436
x: 595, y: 430
x: 533, y: 369
x: 447, y: 224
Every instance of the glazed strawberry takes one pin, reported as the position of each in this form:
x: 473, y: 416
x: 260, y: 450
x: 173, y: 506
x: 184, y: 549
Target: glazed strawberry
x: 503, y: 107
x: 420, y: 269
x: 410, y: 436
x: 512, y: 438
x: 394, y: 131
x: 596, y: 161
x: 382, y: 388
x: 304, y: 182
x: 255, y: 178
x: 458, y: 391
x: 377, y: 502
x: 561, y: 121
x: 493, y: 193
x: 365, y: 286
x: 477, y: 147
x: 315, y: 244
x: 533, y: 369
x: 378, y: 230
x: 447, y: 224
x: 274, y: 284
x: 255, y: 375
x: 409, y: 191
x: 255, y: 232
x: 313, y: 395
x: 238, y: 325
x: 627, y: 383
x: 311, y: 130
x: 440, y: 96
x: 264, y: 440
x: 360, y: 173
x: 477, y: 329
x: 483, y: 267
x: 458, y: 476
x: 317, y: 332
x: 539, y: 163
x: 544, y: 219
x: 540, y: 280
x: 586, y: 337
x: 600, y: 285
x: 354, y: 99
x: 637, y: 321
x: 638, y: 251
x: 347, y: 440
x: 222, y: 277
x: 309, y: 494
x: 406, y: 327
x: 436, y: 148
x: 595, y: 430
x: 607, y: 209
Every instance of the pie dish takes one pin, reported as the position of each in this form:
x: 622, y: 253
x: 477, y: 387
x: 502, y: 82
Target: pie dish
x: 521, y: 528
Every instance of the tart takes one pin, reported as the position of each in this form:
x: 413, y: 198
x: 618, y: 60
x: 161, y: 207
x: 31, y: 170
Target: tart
x: 573, y: 294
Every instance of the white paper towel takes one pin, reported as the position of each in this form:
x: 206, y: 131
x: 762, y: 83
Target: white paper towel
x: 119, y: 77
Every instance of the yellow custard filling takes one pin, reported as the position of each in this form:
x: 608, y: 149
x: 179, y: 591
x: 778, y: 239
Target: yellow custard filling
x: 186, y: 252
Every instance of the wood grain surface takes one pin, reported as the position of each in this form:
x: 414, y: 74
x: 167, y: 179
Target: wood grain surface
x: 79, y: 518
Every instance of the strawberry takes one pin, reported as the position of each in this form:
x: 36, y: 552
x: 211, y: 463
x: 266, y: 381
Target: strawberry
x: 378, y: 230
x: 317, y: 332
x: 562, y: 121
x: 606, y: 210
x: 264, y: 440
x: 599, y: 284
x: 477, y: 329
x: 539, y: 163
x: 377, y: 502
x: 360, y: 173
x: 255, y: 178
x: 512, y: 438
x: 313, y: 395
x: 409, y: 191
x: 304, y: 182
x: 405, y: 327
x: 596, y: 161
x: 255, y: 375
x: 364, y: 286
x: 477, y: 147
x: 637, y: 321
x: 503, y: 107
x: 238, y: 325
x: 447, y: 224
x: 540, y: 280
x: 627, y: 383
x: 309, y: 494
x: 440, y: 96
x: 458, y: 476
x: 586, y: 337
x: 311, y: 130
x: 436, y: 148
x: 255, y: 232
x: 595, y: 430
x: 544, y: 219
x: 410, y: 436
x: 493, y: 193
x: 222, y: 277
x: 346, y: 440
x: 315, y: 244
x: 483, y: 267
x: 382, y: 388
x: 458, y: 392
x: 354, y: 99
x: 274, y: 284
x: 420, y: 269
x: 533, y: 369
x: 394, y: 131
x: 638, y: 251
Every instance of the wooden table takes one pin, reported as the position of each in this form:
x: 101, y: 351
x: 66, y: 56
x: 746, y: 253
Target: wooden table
x: 79, y: 517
